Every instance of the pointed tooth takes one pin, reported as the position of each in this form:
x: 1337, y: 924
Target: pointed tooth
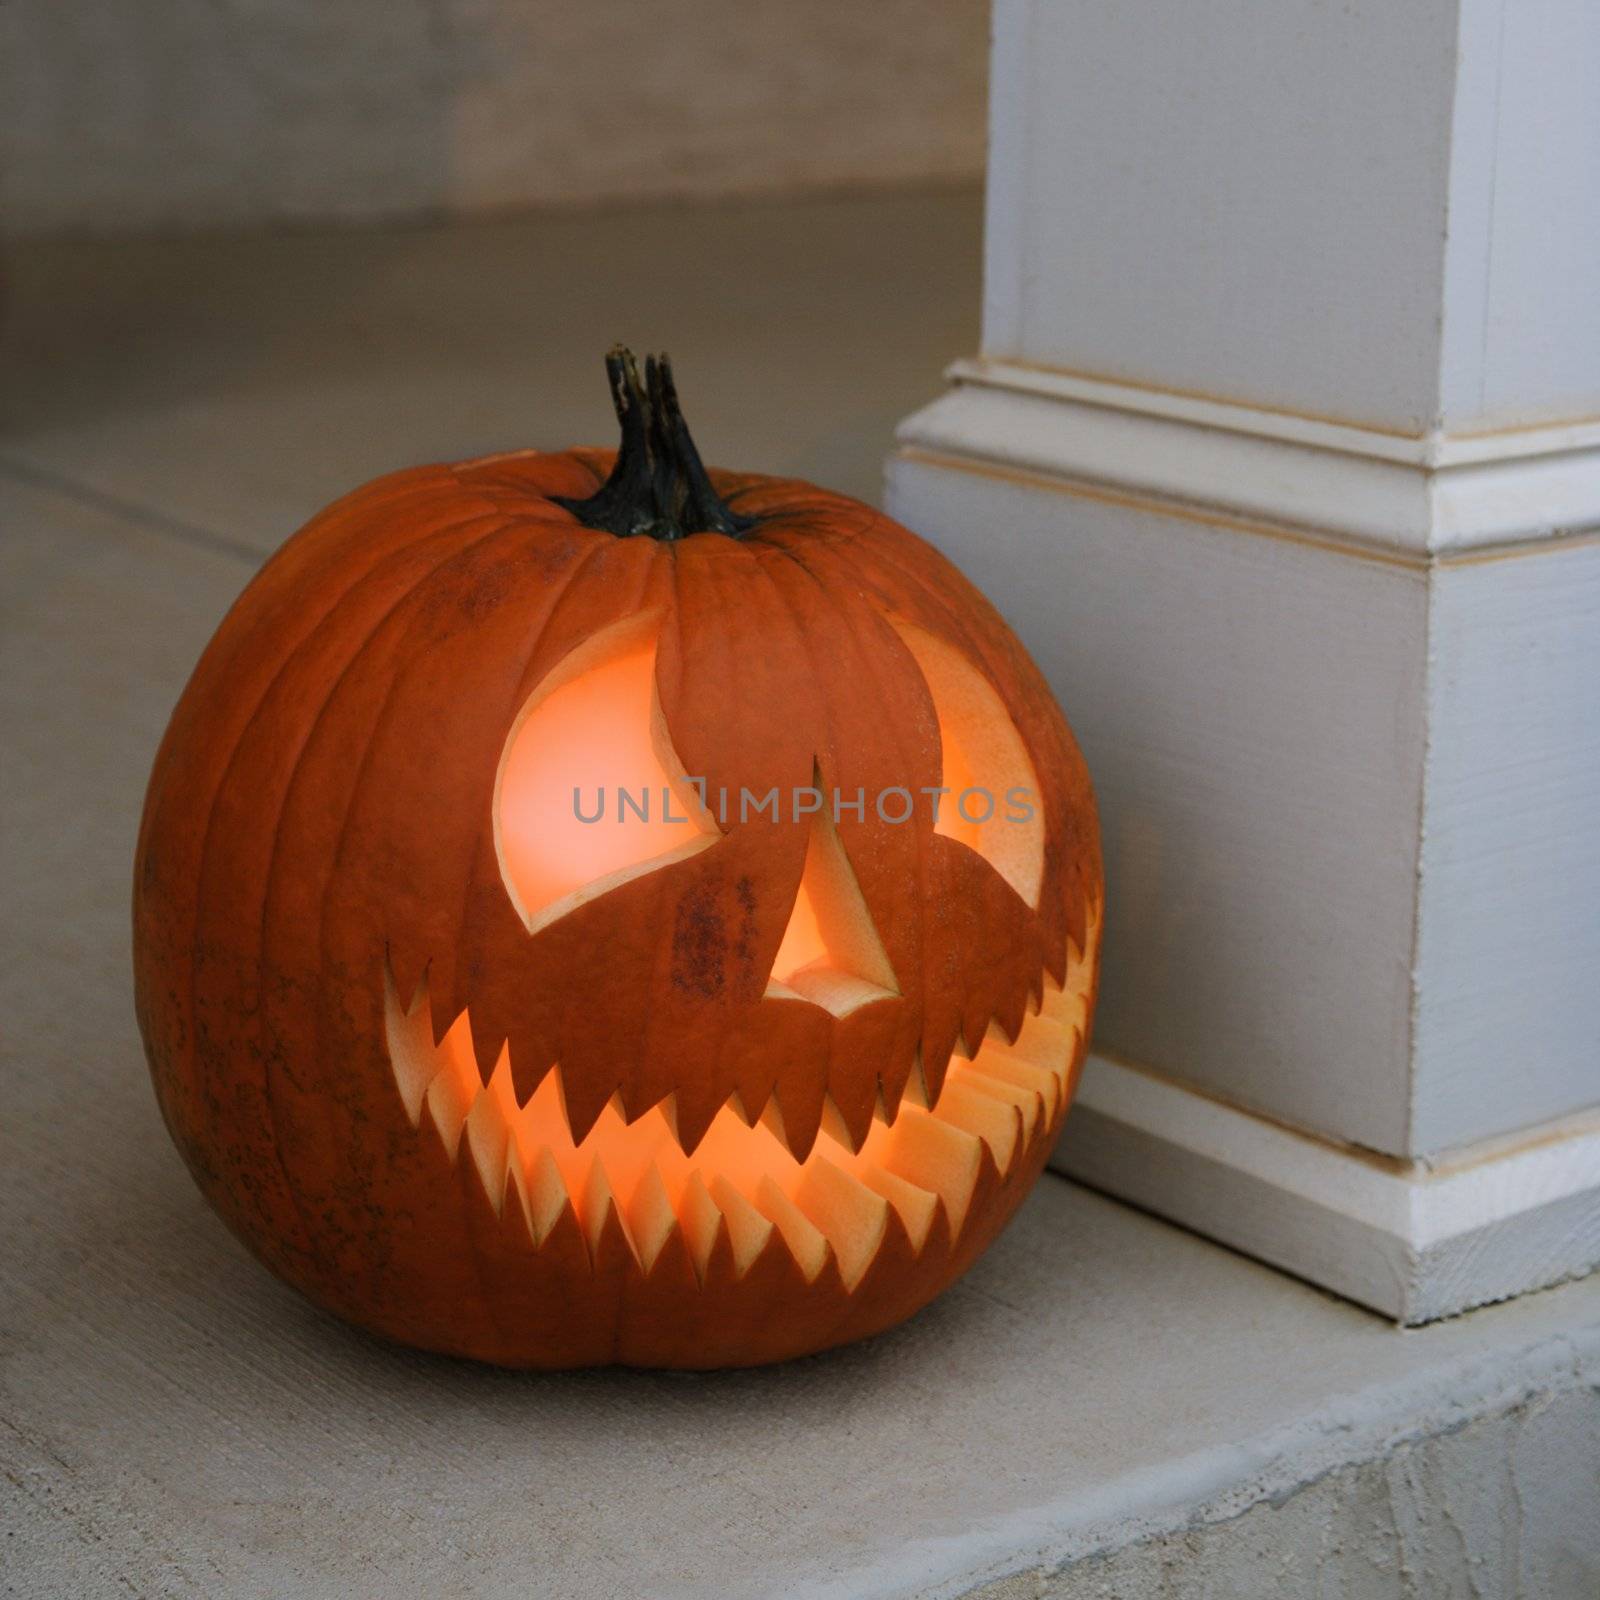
x: 881, y: 1111
x: 700, y: 1220
x: 449, y: 1100
x: 596, y: 1204
x: 514, y: 1202
x: 650, y: 1217
x: 848, y: 1107
x: 1043, y: 1041
x: 529, y: 1068
x: 975, y: 1024
x: 1080, y: 971
x: 1012, y: 1015
x: 407, y: 971
x: 668, y: 1107
x: 693, y: 1115
x: 933, y: 1076
x: 997, y: 1122
x: 800, y: 1108
x: 583, y: 1104
x: 771, y: 1119
x: 806, y: 1242
x: 413, y: 1057
x: 1076, y: 1020
x: 915, y: 1206
x: 546, y: 1195
x: 935, y: 1155
x: 748, y: 1229
x: 851, y: 1216
x: 439, y: 1009
x: 540, y: 1127
x: 488, y: 1045
x: 1069, y: 1057
x: 1000, y: 1067
x: 489, y: 1130
x: 834, y: 1125
x: 891, y: 1086
x: 915, y: 1092
x: 1048, y: 1046
x: 1028, y: 1101
x: 420, y: 1001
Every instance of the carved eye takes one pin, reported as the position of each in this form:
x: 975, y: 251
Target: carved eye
x: 590, y: 791
x: 993, y: 806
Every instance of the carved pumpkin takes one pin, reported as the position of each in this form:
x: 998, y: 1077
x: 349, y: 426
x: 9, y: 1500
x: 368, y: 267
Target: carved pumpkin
x: 706, y: 1080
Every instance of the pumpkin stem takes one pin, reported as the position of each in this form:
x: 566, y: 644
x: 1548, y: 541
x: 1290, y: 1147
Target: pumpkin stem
x: 658, y: 484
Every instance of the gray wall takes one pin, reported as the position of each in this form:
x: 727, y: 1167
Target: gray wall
x: 199, y: 113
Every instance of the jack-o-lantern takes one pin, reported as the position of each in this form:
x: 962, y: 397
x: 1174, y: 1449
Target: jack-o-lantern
x: 589, y: 909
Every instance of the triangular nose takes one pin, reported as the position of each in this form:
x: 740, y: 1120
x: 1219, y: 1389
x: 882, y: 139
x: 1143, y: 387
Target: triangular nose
x: 831, y: 954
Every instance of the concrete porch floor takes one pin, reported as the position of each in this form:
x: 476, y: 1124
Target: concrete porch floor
x: 1105, y: 1406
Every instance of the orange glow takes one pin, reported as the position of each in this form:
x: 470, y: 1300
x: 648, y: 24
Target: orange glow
x: 595, y: 727
x: 592, y: 746
x: 802, y: 939
x: 742, y: 1171
x: 830, y: 953
x: 957, y: 776
x: 986, y: 759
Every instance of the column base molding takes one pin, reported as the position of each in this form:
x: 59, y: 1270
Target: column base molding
x: 1347, y: 763
x: 1417, y: 496
x: 1415, y: 1240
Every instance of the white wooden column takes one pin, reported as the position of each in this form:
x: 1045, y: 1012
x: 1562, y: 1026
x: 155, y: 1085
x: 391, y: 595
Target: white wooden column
x: 1283, y: 453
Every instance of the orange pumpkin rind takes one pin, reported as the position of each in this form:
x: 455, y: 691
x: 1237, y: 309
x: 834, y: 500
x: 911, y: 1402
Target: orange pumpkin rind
x: 650, y: 1128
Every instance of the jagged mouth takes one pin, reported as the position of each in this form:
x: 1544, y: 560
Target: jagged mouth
x: 741, y: 1179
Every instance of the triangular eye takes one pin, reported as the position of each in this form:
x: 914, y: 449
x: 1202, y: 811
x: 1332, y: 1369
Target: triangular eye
x: 831, y: 954
x: 993, y: 802
x: 590, y: 792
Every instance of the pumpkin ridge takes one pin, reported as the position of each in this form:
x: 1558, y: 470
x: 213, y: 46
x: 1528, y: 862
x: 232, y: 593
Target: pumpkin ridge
x: 1059, y: 921
x: 568, y: 581
x: 709, y: 629
x: 204, y: 857
x: 935, y: 1048
x: 486, y: 870
x: 415, y: 599
x: 530, y: 1140
x: 408, y: 599
x: 891, y: 1079
x: 167, y: 797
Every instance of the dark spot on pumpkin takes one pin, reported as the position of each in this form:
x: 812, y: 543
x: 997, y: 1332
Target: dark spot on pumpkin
x: 744, y: 949
x: 699, y: 944
x: 485, y: 596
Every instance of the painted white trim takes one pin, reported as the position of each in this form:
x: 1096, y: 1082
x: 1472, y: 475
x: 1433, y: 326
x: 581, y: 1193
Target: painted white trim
x: 1419, y: 496
x: 1433, y: 450
x: 1415, y: 1240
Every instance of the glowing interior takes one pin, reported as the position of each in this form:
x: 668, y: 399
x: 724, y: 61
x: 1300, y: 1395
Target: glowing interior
x: 985, y: 760
x: 592, y: 733
x: 830, y: 954
x: 833, y: 1203
x: 592, y: 743
x: 802, y: 943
